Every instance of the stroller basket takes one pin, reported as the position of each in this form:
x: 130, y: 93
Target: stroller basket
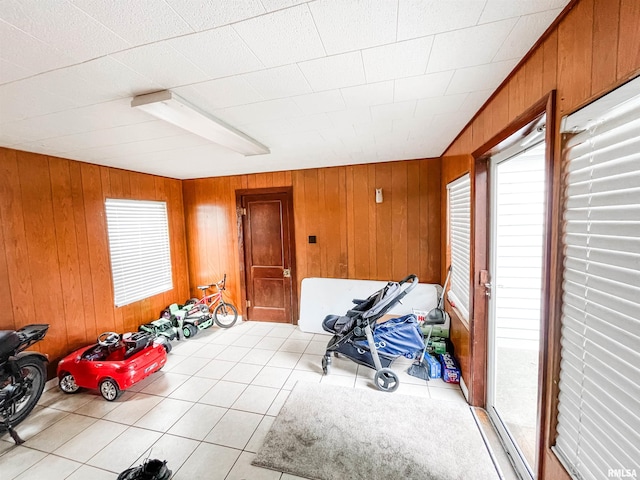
x: 358, y: 337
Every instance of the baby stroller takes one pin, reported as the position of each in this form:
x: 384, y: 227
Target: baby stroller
x: 355, y: 335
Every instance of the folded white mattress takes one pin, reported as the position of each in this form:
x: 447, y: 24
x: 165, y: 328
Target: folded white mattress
x: 324, y: 296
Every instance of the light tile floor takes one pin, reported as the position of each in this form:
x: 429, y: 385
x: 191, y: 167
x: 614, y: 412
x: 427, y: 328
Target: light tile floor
x: 206, y: 412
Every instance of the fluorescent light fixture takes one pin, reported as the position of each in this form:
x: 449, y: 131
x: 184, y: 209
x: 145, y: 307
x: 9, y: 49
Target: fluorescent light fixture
x: 169, y: 107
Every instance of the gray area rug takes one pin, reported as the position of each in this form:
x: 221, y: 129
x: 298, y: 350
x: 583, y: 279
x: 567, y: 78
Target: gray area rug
x: 326, y: 432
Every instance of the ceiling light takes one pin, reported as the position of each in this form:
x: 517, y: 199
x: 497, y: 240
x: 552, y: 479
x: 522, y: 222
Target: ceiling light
x: 171, y: 108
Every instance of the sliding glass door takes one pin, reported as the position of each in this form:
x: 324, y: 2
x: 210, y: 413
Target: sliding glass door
x: 518, y: 192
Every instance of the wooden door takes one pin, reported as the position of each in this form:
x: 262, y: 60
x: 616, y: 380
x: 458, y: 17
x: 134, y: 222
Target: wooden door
x: 267, y: 240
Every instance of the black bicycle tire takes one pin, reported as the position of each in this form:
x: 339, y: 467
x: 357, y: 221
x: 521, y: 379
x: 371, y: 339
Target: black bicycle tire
x: 221, y: 306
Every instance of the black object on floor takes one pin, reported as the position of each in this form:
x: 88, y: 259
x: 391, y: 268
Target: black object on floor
x: 149, y: 470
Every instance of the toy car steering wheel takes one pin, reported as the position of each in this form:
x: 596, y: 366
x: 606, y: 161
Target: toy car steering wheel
x: 108, y: 339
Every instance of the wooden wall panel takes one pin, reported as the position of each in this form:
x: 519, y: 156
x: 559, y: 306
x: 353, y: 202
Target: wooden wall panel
x: 55, y: 264
x: 356, y: 238
x: 606, y: 21
x: 594, y: 48
x: 575, y: 47
x: 629, y: 39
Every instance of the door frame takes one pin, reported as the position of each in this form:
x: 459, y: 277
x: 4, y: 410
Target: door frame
x: 240, y: 193
x: 480, y: 244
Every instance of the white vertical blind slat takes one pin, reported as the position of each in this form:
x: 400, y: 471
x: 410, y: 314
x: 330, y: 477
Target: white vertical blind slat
x: 460, y: 240
x: 139, y: 249
x: 599, y: 401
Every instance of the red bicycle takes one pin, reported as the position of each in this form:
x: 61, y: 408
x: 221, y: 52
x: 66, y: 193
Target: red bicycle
x: 224, y: 313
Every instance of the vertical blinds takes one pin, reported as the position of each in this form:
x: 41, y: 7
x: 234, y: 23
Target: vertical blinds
x: 139, y: 248
x: 459, y: 195
x: 598, y: 430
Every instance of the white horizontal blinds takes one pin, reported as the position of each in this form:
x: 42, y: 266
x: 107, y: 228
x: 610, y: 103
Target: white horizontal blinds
x: 139, y: 247
x: 599, y: 401
x: 459, y: 195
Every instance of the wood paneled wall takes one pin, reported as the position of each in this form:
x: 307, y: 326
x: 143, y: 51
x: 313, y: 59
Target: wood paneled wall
x: 593, y: 48
x: 55, y: 267
x: 356, y: 238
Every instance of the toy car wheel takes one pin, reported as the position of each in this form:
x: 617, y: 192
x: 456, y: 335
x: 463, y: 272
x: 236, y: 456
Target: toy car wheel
x: 109, y: 389
x: 386, y: 380
x: 191, y: 301
x: 189, y: 331
x: 166, y: 344
x: 68, y: 384
x: 225, y: 315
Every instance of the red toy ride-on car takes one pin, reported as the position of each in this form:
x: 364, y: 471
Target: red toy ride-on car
x: 112, y: 365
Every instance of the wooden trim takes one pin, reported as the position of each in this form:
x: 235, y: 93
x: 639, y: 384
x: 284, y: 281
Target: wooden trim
x: 549, y: 330
x: 509, y: 136
x: 513, y: 72
x: 478, y: 308
x: 515, y: 131
x: 288, y: 190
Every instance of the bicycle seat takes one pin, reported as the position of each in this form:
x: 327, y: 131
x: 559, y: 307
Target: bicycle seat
x: 204, y: 287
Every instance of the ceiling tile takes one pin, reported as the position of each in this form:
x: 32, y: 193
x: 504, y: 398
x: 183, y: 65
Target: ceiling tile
x: 393, y: 111
x: 468, y: 47
x: 397, y: 60
x: 320, y: 102
x: 501, y: 9
x: 528, y: 29
x: 437, y: 105
x: 7, y: 139
x: 95, y: 81
x: 131, y: 20
x: 219, y: 53
x: 144, y: 146
x: 206, y: 14
x: 28, y: 52
x: 24, y: 99
x: 282, y: 37
x: 259, y: 112
x: 82, y: 37
x: 422, y: 86
x: 161, y: 63
x: 368, y: 95
x: 10, y: 72
x: 347, y: 118
x: 334, y: 72
x: 475, y: 100
x: 347, y: 26
x: 278, y: 82
x: 417, y: 18
x: 220, y: 93
x: 111, y: 114
x: 113, y: 136
x: 481, y: 77
x: 272, y: 5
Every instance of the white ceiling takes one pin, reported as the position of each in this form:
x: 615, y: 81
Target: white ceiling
x: 321, y: 83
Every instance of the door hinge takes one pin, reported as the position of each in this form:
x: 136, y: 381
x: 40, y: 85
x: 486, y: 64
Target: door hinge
x: 243, y: 211
x: 248, y: 303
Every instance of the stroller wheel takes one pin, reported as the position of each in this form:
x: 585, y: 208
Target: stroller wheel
x: 326, y: 361
x: 386, y: 380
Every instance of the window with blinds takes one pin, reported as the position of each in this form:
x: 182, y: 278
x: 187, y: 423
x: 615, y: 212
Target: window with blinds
x: 598, y: 429
x: 139, y: 248
x: 459, y: 200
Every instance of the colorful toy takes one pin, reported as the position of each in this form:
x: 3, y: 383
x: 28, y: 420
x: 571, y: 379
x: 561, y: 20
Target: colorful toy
x: 224, y: 313
x: 114, y: 364
x: 162, y: 328
x: 188, y: 320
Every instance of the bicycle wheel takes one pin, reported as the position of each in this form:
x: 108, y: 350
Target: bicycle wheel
x: 225, y: 315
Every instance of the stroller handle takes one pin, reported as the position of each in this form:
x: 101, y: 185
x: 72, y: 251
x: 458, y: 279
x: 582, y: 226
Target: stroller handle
x: 414, y: 282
